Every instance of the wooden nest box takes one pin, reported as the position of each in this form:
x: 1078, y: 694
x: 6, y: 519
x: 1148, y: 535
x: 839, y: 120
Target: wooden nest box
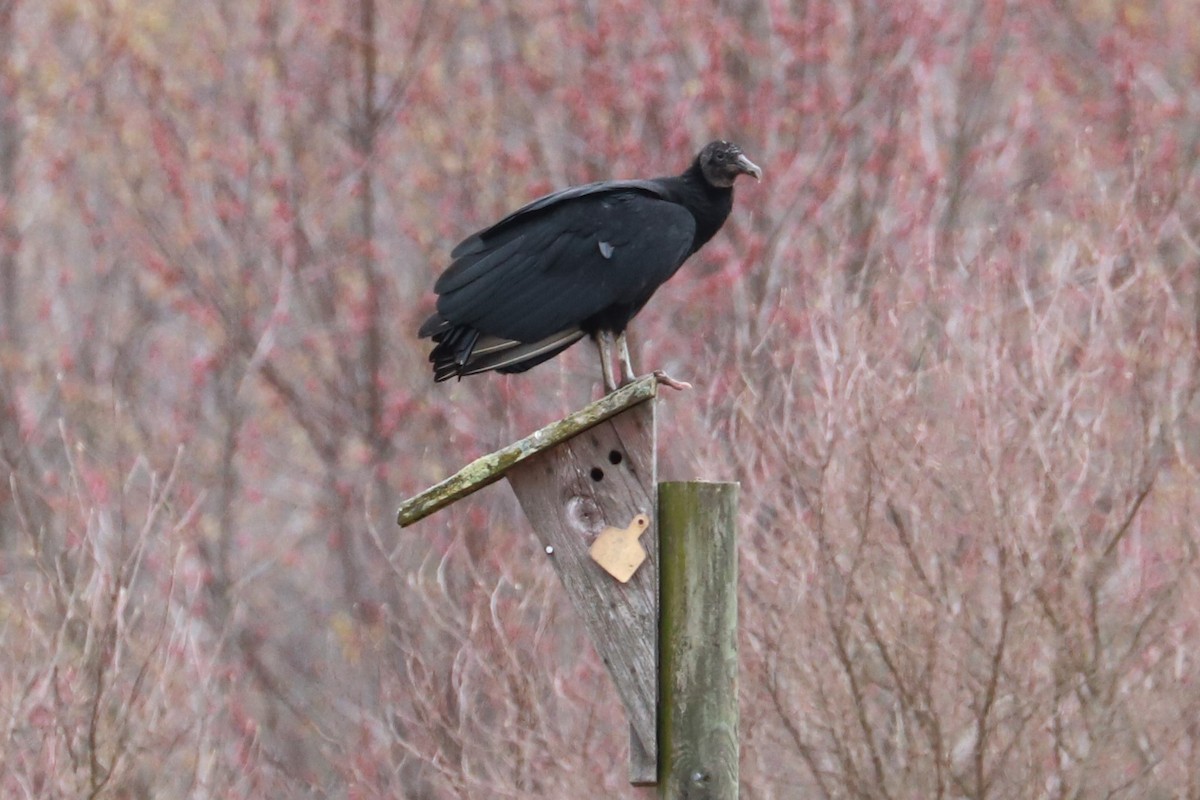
x: 589, y: 485
x: 591, y: 479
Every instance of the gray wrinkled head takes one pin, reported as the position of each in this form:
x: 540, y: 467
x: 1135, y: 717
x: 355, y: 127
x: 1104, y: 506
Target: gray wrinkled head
x: 721, y: 162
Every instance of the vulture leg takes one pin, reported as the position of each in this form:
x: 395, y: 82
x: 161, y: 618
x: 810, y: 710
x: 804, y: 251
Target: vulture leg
x: 604, y: 343
x: 627, y: 371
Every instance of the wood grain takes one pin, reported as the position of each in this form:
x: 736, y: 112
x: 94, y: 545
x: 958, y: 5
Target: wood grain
x: 698, y: 644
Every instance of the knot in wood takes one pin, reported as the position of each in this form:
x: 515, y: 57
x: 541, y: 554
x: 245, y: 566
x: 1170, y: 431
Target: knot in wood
x: 584, y: 515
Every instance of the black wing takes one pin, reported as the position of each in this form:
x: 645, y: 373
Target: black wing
x: 565, y: 258
x: 523, y: 214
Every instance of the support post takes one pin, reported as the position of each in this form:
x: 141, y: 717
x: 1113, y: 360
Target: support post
x: 698, y: 664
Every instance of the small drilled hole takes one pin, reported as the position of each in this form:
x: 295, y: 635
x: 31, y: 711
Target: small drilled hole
x: 597, y: 474
x: 615, y: 457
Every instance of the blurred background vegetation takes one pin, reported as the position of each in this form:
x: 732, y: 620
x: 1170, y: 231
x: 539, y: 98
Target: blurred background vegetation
x: 949, y: 347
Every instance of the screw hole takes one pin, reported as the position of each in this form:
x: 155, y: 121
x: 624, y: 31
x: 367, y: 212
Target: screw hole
x: 615, y: 457
x: 597, y: 474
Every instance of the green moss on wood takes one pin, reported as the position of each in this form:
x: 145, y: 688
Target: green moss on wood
x: 490, y: 468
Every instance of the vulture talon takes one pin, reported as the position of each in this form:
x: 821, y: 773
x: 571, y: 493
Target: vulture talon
x: 666, y: 380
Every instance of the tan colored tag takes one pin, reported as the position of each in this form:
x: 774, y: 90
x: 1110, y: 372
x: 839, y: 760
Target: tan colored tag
x: 618, y: 551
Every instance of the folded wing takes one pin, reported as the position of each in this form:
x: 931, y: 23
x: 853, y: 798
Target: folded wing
x: 536, y: 281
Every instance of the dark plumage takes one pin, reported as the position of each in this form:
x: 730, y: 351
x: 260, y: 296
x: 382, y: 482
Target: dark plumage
x: 582, y: 261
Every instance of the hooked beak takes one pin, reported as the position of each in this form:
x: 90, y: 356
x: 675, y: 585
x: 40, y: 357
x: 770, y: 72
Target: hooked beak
x: 749, y: 167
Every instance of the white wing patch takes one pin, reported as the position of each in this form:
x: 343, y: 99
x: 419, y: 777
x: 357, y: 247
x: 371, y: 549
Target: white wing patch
x: 606, y: 249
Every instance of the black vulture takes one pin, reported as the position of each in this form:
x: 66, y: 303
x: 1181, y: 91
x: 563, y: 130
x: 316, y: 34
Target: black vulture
x: 581, y: 261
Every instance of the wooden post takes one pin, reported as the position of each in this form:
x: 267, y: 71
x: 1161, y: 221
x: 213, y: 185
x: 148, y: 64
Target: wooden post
x: 698, y: 664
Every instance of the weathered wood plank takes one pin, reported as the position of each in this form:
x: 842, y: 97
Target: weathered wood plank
x: 698, y: 717
x: 491, y: 467
x: 606, y: 477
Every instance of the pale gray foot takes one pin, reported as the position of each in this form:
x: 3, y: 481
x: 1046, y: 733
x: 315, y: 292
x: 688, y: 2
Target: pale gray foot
x: 666, y: 380
x: 627, y: 371
x: 604, y: 344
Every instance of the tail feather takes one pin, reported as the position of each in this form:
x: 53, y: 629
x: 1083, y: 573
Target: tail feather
x: 523, y: 356
x: 433, y: 326
x: 461, y: 350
